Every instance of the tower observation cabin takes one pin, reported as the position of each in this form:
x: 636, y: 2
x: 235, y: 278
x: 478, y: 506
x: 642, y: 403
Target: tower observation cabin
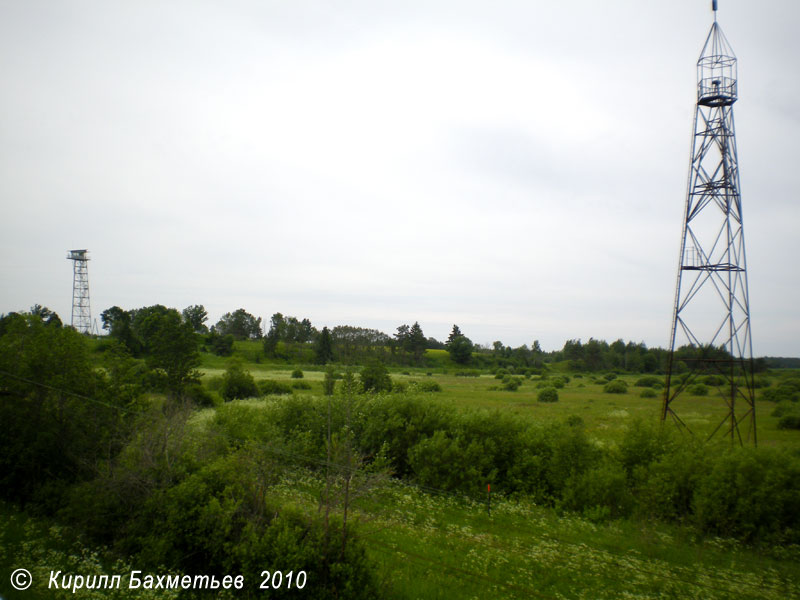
x: 716, y: 71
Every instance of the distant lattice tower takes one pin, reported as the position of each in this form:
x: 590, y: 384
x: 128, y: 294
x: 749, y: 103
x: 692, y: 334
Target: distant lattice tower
x: 710, y: 339
x: 81, y: 312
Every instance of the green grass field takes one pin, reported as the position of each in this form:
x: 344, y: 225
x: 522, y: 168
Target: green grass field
x: 429, y: 544
x: 605, y: 415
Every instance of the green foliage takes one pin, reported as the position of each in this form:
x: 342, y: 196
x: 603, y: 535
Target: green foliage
x: 784, y: 408
x: 665, y: 488
x: 547, y: 394
x: 648, y: 393
x: 713, y: 380
x: 501, y: 373
x: 329, y: 383
x: 460, y: 349
x: 642, y: 445
x: 170, y: 346
x: 599, y: 493
x: 574, y: 421
x: 323, y: 348
x: 752, y: 495
x: 399, y: 387
x: 238, y: 382
x: 271, y: 387
x: 511, y: 384
x: 698, y: 389
x: 470, y: 373
x: 787, y: 390
x: 297, y: 374
x: 375, y: 378
x: 557, y: 382
x: 428, y: 386
x: 301, y: 385
x: 221, y: 345
x: 58, y: 413
x: 451, y: 463
x: 650, y: 381
x: 789, y: 422
x: 196, y: 316
x: 240, y: 324
x: 199, y: 395
x: 617, y: 386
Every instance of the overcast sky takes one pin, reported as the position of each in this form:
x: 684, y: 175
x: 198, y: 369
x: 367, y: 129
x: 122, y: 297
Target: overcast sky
x: 517, y: 168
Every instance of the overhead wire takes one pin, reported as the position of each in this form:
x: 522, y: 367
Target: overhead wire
x: 63, y: 391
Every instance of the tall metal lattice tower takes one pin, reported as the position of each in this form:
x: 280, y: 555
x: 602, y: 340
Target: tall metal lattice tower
x: 710, y: 340
x: 81, y: 312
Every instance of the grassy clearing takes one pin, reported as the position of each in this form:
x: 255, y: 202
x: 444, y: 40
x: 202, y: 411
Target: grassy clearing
x: 429, y: 545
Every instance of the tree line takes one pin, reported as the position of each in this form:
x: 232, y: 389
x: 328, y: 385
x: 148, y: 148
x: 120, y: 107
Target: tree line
x: 166, y: 335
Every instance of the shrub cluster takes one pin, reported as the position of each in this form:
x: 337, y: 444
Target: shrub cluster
x: 753, y: 495
x: 650, y: 381
x: 271, y: 387
x: 548, y: 394
x: 616, y: 386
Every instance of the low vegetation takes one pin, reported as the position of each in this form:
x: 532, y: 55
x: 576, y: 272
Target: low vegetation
x: 514, y: 479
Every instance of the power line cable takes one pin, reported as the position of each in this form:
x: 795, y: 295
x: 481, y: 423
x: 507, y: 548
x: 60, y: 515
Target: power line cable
x: 63, y: 391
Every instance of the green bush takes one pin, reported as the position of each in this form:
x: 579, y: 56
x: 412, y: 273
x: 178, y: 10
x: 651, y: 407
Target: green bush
x: 301, y: 385
x: 195, y: 527
x: 548, y: 394
x: 789, y: 422
x: 698, y: 389
x: 650, y: 381
x: 599, y: 493
x: 214, y: 383
x: 648, y: 393
x: 617, y: 386
x: 511, y: 383
x: 297, y: 374
x: 399, y: 387
x: 642, y: 444
x: 329, y: 383
x: 375, y: 378
x: 750, y: 494
x: 713, y: 380
x: 574, y: 421
x: 500, y: 373
x: 783, y: 392
x: 610, y: 376
x: 270, y: 387
x: 450, y: 463
x: 221, y: 345
x: 429, y: 386
x: 761, y: 382
x: 470, y: 373
x: 557, y: 382
x: 665, y: 487
x: 237, y: 383
x: 199, y: 395
x: 785, y: 408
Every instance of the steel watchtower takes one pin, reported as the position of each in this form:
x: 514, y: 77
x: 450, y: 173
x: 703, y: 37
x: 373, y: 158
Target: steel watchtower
x: 81, y: 312
x: 710, y: 338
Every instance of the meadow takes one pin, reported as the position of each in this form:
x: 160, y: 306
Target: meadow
x: 429, y: 542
